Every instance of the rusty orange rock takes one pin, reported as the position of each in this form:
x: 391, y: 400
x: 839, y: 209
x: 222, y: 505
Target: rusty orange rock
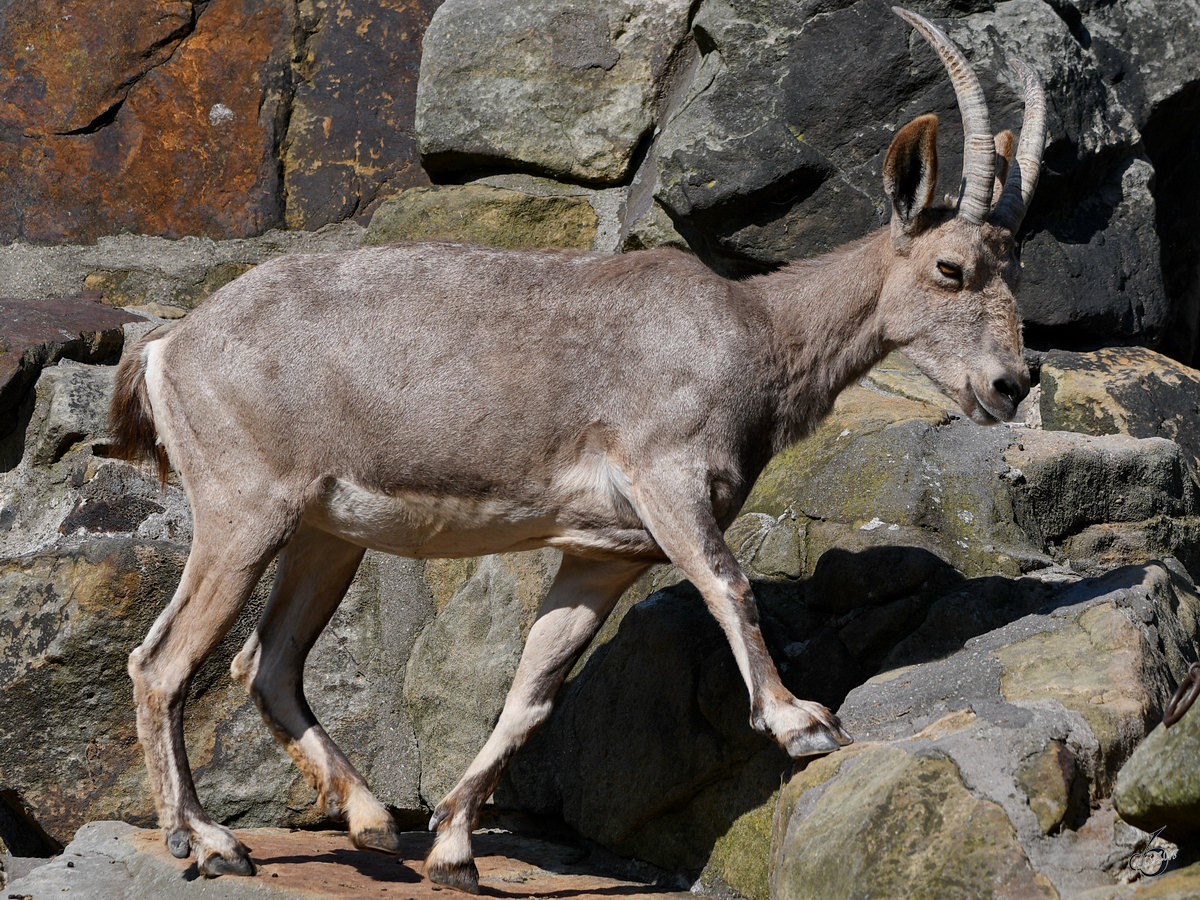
x: 175, y: 134
x: 69, y: 62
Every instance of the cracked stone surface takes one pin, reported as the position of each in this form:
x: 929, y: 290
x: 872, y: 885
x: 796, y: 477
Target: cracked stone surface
x: 149, y: 117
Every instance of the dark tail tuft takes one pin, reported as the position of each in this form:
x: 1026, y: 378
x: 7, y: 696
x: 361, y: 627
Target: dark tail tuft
x: 130, y: 420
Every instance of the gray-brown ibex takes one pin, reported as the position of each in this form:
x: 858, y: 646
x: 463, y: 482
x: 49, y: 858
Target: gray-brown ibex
x: 444, y: 400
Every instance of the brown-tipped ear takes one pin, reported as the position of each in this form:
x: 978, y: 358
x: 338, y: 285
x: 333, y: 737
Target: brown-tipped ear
x: 1004, y: 154
x: 910, y: 169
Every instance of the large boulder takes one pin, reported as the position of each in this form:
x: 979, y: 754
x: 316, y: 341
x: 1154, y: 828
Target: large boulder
x: 187, y: 103
x: 1121, y: 390
x: 350, y: 135
x: 984, y: 772
x: 571, y: 91
x: 463, y: 662
x: 1144, y: 51
x: 483, y: 214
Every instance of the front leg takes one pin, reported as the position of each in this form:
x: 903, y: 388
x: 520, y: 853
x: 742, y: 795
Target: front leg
x: 680, y: 518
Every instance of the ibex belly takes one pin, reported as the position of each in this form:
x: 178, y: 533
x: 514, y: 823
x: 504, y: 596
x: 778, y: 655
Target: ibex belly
x: 426, y: 525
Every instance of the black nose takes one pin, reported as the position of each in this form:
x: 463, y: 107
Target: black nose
x: 1010, y: 387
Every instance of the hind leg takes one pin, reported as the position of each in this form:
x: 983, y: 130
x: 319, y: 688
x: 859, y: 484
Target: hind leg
x: 312, y: 576
x: 222, y: 569
x: 583, y: 594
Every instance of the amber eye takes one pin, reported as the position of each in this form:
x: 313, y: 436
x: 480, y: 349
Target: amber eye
x: 951, y: 271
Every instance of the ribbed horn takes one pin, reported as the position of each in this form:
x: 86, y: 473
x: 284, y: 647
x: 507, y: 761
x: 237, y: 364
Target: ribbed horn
x: 1027, y: 165
x: 975, y: 197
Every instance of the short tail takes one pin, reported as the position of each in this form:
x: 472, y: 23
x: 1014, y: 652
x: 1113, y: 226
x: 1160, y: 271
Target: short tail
x: 132, y: 434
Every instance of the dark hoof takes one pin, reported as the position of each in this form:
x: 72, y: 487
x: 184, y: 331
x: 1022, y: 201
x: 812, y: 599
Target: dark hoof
x: 461, y: 877
x: 381, y: 840
x: 179, y: 842
x: 816, y: 741
x: 216, y: 865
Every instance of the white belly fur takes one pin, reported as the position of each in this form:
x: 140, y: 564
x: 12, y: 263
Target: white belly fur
x: 425, y: 525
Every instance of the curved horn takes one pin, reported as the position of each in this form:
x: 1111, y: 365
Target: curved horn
x: 979, y: 149
x: 1027, y: 165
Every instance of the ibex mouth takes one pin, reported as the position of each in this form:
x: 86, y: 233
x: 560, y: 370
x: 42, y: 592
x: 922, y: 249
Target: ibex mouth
x: 999, y: 407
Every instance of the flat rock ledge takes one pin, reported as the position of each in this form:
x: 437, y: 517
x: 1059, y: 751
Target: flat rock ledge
x: 113, y: 859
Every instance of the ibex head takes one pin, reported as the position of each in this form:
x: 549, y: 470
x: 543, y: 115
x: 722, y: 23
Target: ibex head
x: 948, y: 296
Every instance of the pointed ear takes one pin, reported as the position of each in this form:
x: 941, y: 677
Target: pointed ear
x: 910, y: 170
x: 1004, y: 152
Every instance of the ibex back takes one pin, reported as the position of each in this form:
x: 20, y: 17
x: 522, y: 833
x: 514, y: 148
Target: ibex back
x: 447, y: 400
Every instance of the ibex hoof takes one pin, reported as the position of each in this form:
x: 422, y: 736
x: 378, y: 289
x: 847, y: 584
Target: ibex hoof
x: 460, y: 876
x: 380, y: 839
x: 816, y: 741
x: 215, y: 865
x: 179, y: 842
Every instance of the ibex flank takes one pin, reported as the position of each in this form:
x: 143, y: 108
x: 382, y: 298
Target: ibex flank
x: 444, y: 400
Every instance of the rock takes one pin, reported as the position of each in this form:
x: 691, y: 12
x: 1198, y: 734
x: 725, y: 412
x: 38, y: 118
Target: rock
x: 887, y: 823
x: 889, y: 472
x: 113, y: 859
x: 1051, y: 782
x: 1093, y: 221
x: 75, y: 616
x: 74, y: 407
x: 1081, y: 665
x: 74, y: 619
x: 462, y: 664
x: 37, y: 333
x: 138, y: 270
x: 480, y: 214
x: 1159, y: 786
x: 1081, y: 498
x: 191, y: 107
x: 350, y: 137
x: 57, y: 82
x: 1121, y: 390
x: 654, y: 229
x: 738, y: 862
x: 1106, y: 283
x: 683, y: 789
x: 1018, y: 732
x: 567, y: 91
x: 1156, y: 82
x: 41, y: 332
x: 69, y: 743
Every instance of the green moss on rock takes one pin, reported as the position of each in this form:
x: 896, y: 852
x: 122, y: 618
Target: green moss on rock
x: 1160, y: 784
x: 490, y: 216
x: 1047, y: 780
x: 893, y: 824
x: 741, y: 856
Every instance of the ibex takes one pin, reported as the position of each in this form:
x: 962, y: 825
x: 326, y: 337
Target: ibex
x: 444, y: 400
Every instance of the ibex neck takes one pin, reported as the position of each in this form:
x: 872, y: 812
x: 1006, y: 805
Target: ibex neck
x: 827, y: 329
